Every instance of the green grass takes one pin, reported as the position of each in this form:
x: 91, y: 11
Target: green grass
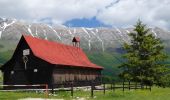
x: 155, y: 94
x: 19, y: 95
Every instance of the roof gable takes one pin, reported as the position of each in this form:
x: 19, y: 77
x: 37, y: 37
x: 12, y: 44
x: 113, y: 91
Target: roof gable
x: 59, y: 54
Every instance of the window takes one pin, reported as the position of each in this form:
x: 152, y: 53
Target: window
x: 12, y: 72
x: 35, y: 70
x: 26, y: 52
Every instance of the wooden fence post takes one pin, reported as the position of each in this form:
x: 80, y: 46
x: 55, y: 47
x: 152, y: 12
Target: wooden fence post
x: 135, y: 85
x: 123, y: 86
x: 114, y: 86
x: 104, y: 88
x: 150, y: 88
x: 72, y: 89
x: 46, y: 91
x: 52, y: 88
x: 129, y: 85
x: 141, y: 85
x: 92, y: 89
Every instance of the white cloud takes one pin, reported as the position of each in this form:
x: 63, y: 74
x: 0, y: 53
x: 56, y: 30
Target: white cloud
x: 59, y: 10
x: 122, y: 13
x: 127, y: 12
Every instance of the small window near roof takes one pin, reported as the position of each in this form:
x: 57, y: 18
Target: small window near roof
x: 12, y: 72
x: 35, y: 70
x: 26, y: 52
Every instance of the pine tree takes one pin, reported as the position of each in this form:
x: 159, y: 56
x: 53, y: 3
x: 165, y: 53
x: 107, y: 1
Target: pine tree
x: 144, y: 57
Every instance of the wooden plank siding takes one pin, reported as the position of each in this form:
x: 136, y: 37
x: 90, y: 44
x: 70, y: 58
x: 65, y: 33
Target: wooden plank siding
x: 61, y: 75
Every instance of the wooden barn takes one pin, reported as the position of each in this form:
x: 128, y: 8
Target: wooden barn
x: 38, y: 61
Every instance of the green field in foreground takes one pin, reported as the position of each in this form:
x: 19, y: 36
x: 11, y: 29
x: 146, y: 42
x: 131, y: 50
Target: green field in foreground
x: 155, y: 94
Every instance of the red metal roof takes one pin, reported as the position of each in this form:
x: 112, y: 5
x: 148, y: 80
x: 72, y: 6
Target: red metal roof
x: 59, y: 54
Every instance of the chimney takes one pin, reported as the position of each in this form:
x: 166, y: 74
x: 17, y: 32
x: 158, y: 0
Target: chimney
x: 76, y: 41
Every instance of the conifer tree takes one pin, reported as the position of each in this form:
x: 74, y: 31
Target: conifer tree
x: 144, y: 57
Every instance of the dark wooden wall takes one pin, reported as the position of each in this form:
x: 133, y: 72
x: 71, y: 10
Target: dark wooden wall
x: 28, y: 76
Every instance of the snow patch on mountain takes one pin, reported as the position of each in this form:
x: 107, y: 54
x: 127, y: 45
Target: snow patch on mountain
x: 0, y: 34
x: 119, y: 32
x: 86, y: 32
x: 29, y: 30
x: 128, y: 31
x: 55, y: 32
x: 69, y: 31
x: 7, y: 25
x: 89, y: 43
x: 93, y: 33
x: 154, y: 32
x: 36, y: 32
x: 45, y: 35
x: 75, y: 30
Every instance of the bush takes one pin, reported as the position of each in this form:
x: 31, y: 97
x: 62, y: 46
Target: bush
x: 107, y: 79
x: 165, y: 81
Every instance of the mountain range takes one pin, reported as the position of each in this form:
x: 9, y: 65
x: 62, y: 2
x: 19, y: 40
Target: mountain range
x: 102, y: 45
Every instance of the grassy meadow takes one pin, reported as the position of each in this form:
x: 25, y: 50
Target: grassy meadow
x: 155, y: 94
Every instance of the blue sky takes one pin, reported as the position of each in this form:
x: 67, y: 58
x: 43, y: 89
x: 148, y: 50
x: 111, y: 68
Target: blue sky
x: 92, y: 22
x: 89, y: 13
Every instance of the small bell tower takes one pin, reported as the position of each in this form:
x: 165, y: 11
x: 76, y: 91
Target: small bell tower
x: 76, y: 41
